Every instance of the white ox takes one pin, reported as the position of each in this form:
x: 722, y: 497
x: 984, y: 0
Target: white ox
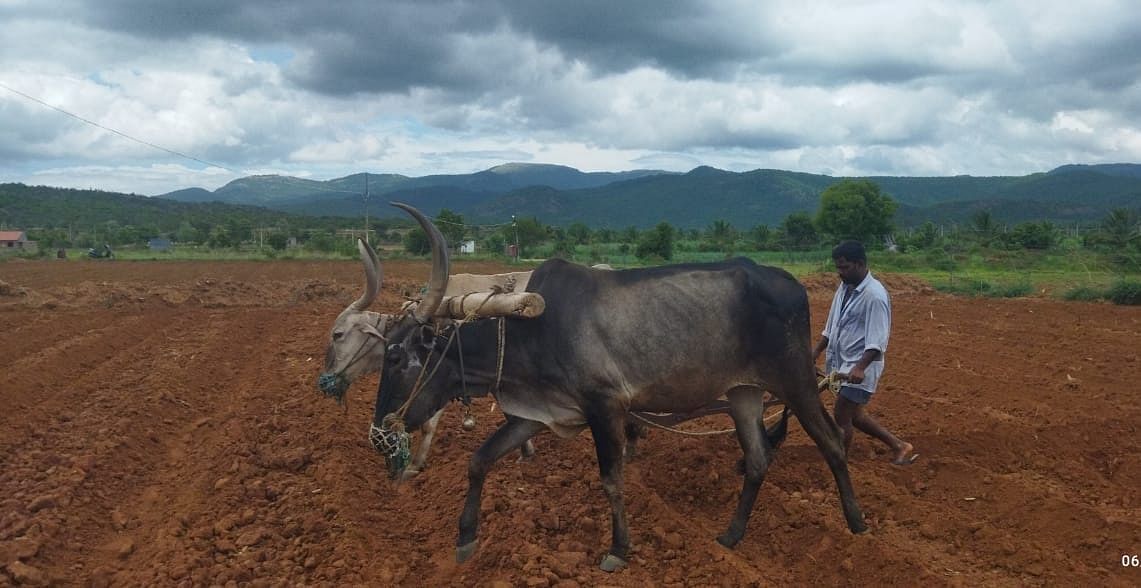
x: 358, y: 338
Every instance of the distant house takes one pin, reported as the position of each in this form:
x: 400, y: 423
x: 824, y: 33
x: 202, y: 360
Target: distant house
x: 16, y: 242
x: 159, y: 244
x: 467, y: 246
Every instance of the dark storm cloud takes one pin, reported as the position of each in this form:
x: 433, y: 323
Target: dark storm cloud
x: 685, y: 38
x: 369, y: 46
x: 342, y: 48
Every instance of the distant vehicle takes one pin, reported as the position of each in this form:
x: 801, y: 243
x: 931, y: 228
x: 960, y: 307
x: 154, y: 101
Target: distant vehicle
x: 101, y: 253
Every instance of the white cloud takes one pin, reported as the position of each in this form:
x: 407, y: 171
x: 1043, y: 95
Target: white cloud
x: 878, y: 86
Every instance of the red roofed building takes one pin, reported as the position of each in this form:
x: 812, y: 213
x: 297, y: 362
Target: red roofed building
x: 15, y: 242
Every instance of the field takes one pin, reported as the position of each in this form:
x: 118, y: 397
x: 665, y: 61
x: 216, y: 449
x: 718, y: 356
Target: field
x: 161, y: 426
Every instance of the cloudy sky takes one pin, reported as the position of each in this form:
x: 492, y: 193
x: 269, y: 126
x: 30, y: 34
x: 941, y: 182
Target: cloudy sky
x: 222, y: 89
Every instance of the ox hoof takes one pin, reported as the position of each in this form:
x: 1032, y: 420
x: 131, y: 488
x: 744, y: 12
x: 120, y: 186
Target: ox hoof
x: 728, y: 540
x: 612, y: 563
x: 409, y: 473
x: 464, y: 552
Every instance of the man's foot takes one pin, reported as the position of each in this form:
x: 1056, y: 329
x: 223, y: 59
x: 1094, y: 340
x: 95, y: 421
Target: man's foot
x: 905, y: 455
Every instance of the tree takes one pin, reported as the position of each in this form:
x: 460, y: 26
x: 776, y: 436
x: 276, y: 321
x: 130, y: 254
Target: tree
x: 1121, y: 228
x: 452, y: 226
x: 321, y: 241
x: 277, y: 241
x: 186, y: 233
x: 721, y: 235
x: 220, y: 237
x: 579, y: 233
x: 925, y: 236
x: 1031, y: 235
x: 760, y: 236
x: 657, y: 242
x: 416, y: 242
x: 528, y: 231
x: 798, y: 232
x: 984, y: 226
x: 855, y: 209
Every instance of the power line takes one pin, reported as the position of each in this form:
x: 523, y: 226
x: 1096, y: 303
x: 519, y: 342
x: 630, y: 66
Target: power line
x: 110, y: 130
x: 160, y: 147
x: 297, y: 181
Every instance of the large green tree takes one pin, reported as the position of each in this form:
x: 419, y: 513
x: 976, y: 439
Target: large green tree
x: 855, y: 209
x: 797, y: 231
x: 451, y: 224
x: 657, y: 242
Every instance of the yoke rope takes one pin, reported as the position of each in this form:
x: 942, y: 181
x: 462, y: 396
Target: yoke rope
x: 831, y: 382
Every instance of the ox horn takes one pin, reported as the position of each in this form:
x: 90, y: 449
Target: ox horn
x: 438, y: 282
x: 373, y: 274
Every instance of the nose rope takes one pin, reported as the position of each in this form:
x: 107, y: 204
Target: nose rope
x: 421, y: 381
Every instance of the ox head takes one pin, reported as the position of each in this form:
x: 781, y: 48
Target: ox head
x: 357, y: 340
x: 414, y: 382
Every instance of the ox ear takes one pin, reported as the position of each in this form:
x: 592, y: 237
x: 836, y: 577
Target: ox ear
x: 427, y: 336
x: 371, y: 330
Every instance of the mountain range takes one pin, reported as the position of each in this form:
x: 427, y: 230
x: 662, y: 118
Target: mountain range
x: 562, y: 195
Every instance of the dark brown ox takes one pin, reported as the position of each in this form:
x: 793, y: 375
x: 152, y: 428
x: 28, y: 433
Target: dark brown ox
x: 662, y: 339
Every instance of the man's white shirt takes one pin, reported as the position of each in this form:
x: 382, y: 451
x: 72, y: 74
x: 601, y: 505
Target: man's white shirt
x: 864, y: 323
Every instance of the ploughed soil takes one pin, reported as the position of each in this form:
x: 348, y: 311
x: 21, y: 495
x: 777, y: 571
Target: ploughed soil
x: 161, y: 426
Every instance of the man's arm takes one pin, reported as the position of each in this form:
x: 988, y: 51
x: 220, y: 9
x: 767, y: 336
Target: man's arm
x: 820, y: 347
x: 856, y: 374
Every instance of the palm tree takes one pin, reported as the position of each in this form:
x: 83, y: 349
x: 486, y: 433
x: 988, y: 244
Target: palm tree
x: 984, y: 226
x: 1121, y: 227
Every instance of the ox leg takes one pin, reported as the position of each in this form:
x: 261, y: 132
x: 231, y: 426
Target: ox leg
x: 505, y: 439
x: 420, y: 457
x: 634, y: 431
x: 747, y: 407
x: 608, y: 429
x: 802, y: 396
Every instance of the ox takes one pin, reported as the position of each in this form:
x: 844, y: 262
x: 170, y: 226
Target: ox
x: 356, y: 341
x: 662, y: 339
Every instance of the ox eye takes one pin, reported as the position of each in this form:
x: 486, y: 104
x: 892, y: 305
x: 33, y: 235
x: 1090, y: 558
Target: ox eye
x: 338, y: 335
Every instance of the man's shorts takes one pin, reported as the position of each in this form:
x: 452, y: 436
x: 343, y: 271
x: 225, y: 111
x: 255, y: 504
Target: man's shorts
x: 857, y: 395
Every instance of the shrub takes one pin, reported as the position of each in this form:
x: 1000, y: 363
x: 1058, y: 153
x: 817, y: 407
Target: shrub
x: 1084, y: 294
x: 1012, y: 291
x: 1125, y: 292
x: 967, y: 287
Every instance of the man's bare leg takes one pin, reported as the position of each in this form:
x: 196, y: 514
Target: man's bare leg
x: 903, y: 451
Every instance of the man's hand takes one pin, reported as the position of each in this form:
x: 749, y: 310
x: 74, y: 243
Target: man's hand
x: 856, y: 374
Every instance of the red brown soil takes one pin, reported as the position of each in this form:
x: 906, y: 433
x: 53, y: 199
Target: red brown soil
x: 161, y: 426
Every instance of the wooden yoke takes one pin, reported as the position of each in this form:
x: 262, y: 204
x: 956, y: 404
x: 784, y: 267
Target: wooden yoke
x: 489, y: 304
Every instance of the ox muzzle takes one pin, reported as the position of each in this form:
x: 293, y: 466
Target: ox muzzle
x: 333, y: 385
x: 392, y: 441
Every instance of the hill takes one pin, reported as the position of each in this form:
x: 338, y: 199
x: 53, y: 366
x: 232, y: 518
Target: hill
x: 296, y: 194
x: 695, y: 199
x: 42, y: 206
x: 561, y: 195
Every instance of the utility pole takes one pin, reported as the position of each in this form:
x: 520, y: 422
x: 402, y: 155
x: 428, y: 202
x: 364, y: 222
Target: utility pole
x: 366, y: 208
x: 516, y: 227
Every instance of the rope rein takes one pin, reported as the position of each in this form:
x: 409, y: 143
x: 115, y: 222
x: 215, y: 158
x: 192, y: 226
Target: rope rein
x: 421, y: 381
x: 831, y: 382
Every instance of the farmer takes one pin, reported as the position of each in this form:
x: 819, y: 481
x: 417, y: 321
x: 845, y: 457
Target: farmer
x: 855, y: 336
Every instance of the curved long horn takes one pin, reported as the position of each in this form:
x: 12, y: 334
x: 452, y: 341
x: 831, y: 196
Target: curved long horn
x: 373, y: 274
x: 438, y: 281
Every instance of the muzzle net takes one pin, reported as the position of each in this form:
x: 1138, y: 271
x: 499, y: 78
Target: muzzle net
x: 393, y: 442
